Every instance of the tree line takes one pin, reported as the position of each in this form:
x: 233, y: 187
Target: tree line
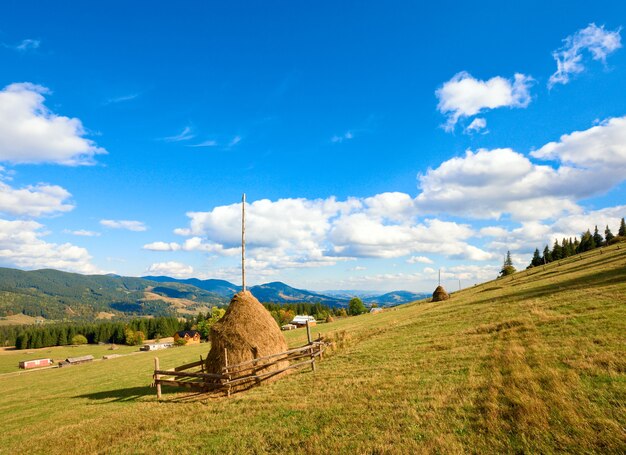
x: 570, y: 247
x: 130, y: 332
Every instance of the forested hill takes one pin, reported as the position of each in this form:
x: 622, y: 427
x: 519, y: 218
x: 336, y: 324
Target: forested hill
x: 57, y: 295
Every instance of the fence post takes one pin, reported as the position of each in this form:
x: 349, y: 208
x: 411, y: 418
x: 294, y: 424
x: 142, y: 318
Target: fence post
x: 157, y: 377
x: 308, y: 332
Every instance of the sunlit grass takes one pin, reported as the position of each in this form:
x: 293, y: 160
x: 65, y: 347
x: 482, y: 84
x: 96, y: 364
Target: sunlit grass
x: 531, y: 363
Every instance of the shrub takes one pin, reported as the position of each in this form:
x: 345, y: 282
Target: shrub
x: 79, y: 339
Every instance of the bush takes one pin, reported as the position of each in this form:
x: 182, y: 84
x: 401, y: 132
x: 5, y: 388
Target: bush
x: 79, y: 339
x: 181, y: 342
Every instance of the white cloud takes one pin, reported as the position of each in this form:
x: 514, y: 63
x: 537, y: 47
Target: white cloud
x: 602, y: 146
x: 569, y: 59
x: 476, y: 125
x: 30, y: 133
x: 236, y: 140
x: 28, y: 44
x: 82, y: 233
x: 130, y: 225
x: 171, y: 268
x: 465, y: 96
x: 34, y: 200
x: 122, y: 98
x: 21, y: 246
x: 208, y: 143
x: 184, y: 135
x: 344, y: 137
x: 419, y: 260
x: 490, y: 183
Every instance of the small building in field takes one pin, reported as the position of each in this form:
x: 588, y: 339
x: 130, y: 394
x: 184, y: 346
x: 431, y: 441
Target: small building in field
x: 288, y: 327
x: 301, y: 320
x: 76, y: 360
x: 37, y: 363
x: 376, y: 310
x: 155, y: 346
x: 190, y: 336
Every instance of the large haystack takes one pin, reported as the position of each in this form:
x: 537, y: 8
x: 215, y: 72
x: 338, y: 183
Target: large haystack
x: 440, y: 294
x: 247, y: 331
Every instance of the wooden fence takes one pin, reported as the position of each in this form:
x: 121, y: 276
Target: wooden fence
x: 239, y: 376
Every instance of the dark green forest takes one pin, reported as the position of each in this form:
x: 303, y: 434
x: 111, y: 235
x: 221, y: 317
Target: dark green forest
x: 570, y: 246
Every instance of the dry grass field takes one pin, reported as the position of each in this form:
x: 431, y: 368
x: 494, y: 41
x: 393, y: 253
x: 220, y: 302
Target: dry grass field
x: 533, y: 363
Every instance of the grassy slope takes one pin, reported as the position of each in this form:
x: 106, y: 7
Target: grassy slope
x: 532, y: 363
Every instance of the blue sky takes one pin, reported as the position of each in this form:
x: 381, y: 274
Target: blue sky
x: 376, y: 142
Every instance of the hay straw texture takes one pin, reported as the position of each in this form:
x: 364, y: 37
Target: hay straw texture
x: 247, y: 331
x: 440, y: 294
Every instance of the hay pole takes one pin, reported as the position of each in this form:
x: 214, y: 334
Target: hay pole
x: 243, y: 242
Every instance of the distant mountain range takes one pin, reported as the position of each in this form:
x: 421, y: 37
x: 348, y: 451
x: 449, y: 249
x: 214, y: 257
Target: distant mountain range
x: 57, y: 295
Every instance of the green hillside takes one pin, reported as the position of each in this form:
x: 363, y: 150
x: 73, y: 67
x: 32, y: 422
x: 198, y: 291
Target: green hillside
x: 531, y: 363
x: 57, y: 295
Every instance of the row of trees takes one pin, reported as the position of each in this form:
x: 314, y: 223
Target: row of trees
x: 131, y: 332
x: 284, y: 313
x: 570, y: 247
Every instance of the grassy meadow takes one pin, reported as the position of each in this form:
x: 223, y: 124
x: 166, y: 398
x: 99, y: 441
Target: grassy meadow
x: 532, y: 363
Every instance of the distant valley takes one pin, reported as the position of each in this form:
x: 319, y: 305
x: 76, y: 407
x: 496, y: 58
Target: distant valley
x: 56, y: 295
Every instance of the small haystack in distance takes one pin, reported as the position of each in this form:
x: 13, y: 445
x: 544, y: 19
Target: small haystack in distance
x: 440, y: 294
x: 245, y: 332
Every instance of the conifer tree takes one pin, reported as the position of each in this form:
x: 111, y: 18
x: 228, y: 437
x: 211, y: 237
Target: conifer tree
x: 557, y: 251
x: 608, y: 235
x: 622, y: 229
x: 536, y: 260
x: 547, y: 256
x: 597, y: 238
x: 507, y: 266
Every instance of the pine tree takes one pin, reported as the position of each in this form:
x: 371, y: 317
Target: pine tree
x: 608, y: 235
x: 597, y: 238
x: 622, y: 229
x: 536, y: 260
x: 507, y: 266
x: 547, y: 256
x: 557, y: 251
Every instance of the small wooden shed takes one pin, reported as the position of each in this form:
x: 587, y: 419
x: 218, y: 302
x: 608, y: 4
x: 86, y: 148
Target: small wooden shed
x: 36, y: 363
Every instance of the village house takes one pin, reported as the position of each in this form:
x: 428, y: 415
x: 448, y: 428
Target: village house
x: 155, y: 346
x: 301, y: 320
x: 190, y: 336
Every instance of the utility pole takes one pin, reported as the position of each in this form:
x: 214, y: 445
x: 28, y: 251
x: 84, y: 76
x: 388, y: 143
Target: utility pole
x: 243, y: 242
x: 439, y: 277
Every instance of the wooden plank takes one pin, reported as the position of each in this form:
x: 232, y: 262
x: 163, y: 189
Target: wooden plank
x: 191, y: 374
x: 302, y: 348
x: 261, y: 366
x: 188, y: 365
x: 263, y: 375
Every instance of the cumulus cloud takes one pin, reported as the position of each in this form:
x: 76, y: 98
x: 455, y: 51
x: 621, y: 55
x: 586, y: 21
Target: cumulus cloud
x: 21, y: 245
x: 171, y: 268
x: 129, y: 225
x: 419, y: 260
x: 596, y: 41
x: 322, y: 232
x: 464, y: 96
x: 476, y: 125
x: 490, y: 183
x: 31, y: 133
x: 34, y: 200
